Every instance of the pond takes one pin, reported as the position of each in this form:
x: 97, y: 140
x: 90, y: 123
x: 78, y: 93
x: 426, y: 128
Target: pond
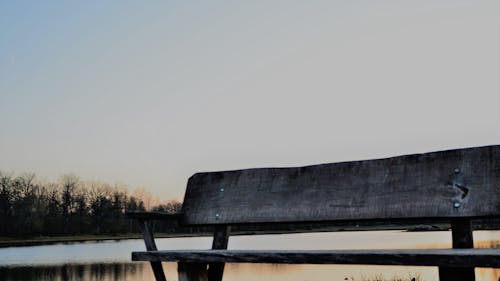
x: 110, y: 260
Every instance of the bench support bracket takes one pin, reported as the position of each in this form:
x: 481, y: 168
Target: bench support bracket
x: 149, y: 240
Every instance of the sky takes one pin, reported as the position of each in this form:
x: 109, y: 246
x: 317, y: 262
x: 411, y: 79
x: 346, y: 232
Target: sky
x: 147, y: 93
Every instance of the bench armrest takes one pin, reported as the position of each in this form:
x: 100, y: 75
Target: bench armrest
x: 142, y: 215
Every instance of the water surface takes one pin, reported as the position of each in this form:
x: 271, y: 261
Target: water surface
x: 110, y: 260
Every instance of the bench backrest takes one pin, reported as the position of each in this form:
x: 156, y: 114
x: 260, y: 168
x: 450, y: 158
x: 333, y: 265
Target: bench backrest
x: 446, y: 184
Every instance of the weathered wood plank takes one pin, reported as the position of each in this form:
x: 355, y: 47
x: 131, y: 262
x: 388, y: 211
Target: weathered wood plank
x: 221, y: 238
x: 149, y: 240
x: 446, y: 184
x: 461, y: 232
x: 432, y: 257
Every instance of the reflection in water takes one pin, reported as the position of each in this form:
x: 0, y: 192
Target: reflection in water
x: 85, y: 272
x: 110, y: 261
x: 233, y: 272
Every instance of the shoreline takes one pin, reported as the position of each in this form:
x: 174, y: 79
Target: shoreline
x: 6, y: 242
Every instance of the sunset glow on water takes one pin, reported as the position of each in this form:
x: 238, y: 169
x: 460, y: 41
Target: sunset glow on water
x: 110, y: 260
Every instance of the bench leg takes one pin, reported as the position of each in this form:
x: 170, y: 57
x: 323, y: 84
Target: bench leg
x: 456, y: 274
x: 149, y: 240
x: 215, y: 271
x: 221, y: 238
x: 461, y: 232
x: 158, y: 271
x: 192, y: 271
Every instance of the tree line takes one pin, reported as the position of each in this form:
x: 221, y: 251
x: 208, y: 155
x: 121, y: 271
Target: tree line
x: 29, y: 207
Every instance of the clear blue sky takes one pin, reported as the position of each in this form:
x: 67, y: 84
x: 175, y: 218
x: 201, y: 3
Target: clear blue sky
x: 149, y: 92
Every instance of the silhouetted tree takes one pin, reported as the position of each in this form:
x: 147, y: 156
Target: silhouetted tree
x: 29, y: 207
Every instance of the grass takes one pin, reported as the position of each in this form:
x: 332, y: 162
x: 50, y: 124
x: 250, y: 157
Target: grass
x: 380, y: 277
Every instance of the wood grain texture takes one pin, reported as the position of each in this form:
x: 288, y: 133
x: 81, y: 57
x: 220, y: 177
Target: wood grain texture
x: 433, y: 257
x: 446, y: 184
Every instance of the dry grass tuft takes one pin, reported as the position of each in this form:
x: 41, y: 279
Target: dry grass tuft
x: 380, y: 277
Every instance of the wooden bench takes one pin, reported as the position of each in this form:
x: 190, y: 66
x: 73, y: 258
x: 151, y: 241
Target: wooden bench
x: 455, y: 187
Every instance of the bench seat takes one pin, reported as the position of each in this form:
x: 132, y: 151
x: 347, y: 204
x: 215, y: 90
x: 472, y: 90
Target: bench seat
x: 419, y: 257
x: 454, y: 189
